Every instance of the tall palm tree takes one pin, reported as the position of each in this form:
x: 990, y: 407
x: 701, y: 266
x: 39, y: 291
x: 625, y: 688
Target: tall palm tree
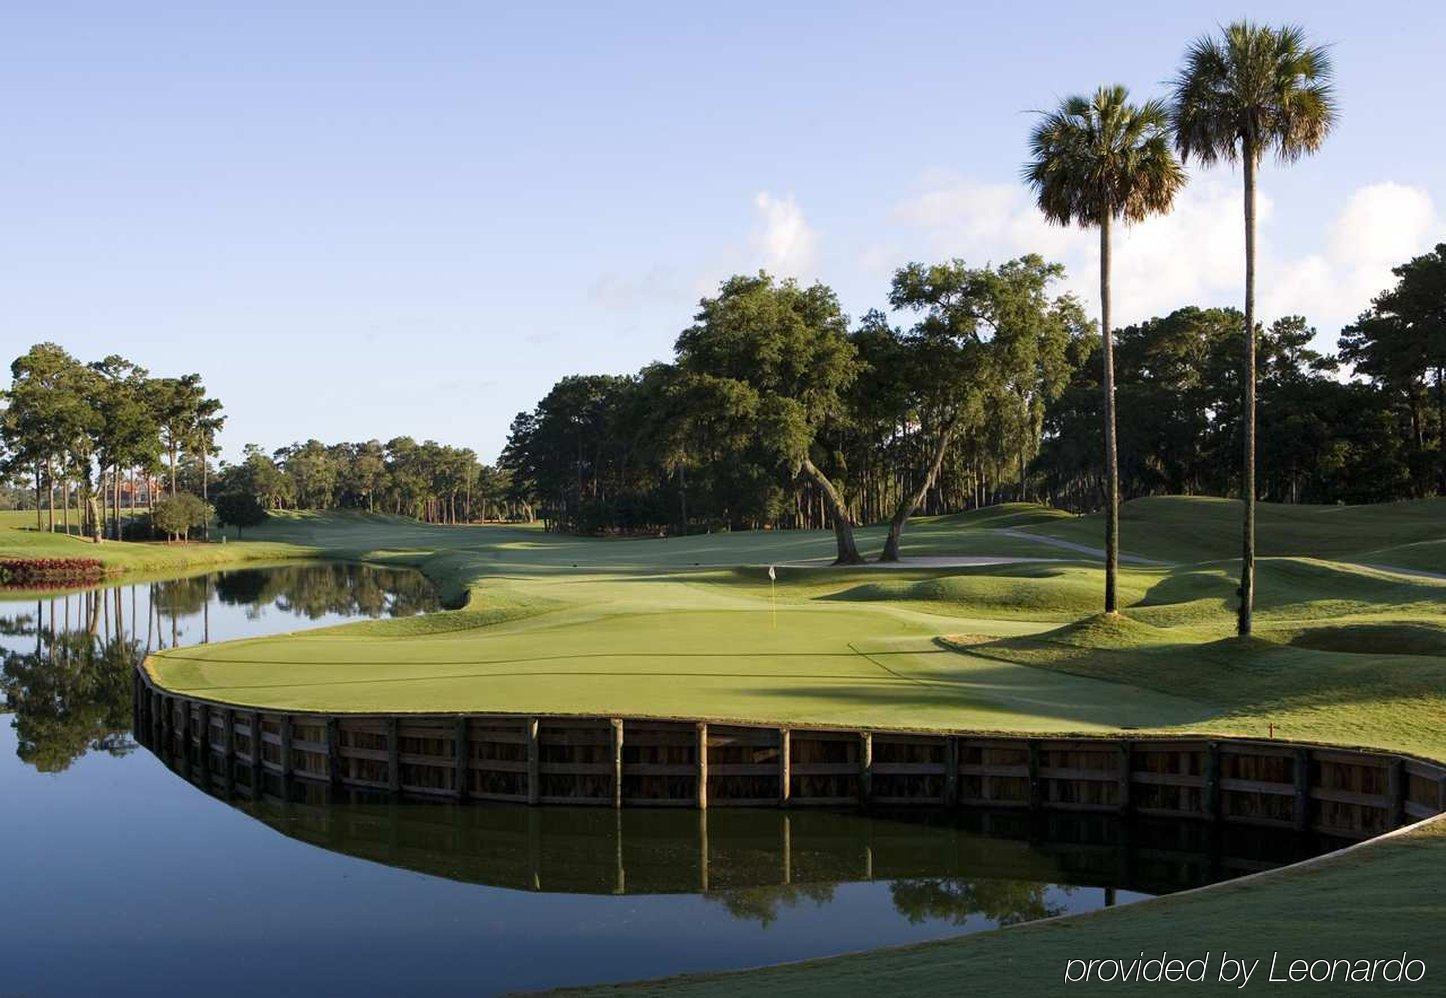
x: 1254, y: 90
x: 1094, y: 160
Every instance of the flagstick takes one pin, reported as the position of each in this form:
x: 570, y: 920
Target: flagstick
x: 773, y: 596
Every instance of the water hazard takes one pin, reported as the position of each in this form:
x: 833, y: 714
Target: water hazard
x: 125, y: 873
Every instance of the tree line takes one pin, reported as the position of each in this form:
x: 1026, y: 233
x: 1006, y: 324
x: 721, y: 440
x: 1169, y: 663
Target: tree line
x: 106, y: 437
x: 953, y: 412
x: 433, y: 482
x: 95, y: 433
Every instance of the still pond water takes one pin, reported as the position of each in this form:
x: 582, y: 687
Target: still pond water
x: 122, y: 877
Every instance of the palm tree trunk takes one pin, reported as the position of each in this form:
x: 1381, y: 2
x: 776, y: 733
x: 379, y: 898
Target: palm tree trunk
x: 1247, y: 483
x: 1112, y: 454
x: 843, y: 528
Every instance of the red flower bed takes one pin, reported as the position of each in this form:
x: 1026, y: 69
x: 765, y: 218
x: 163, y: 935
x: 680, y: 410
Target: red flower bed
x: 25, y: 573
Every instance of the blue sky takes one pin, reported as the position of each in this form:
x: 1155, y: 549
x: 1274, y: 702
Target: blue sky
x: 363, y: 221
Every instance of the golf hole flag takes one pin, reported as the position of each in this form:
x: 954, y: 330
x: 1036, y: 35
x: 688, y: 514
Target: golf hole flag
x: 771, y: 574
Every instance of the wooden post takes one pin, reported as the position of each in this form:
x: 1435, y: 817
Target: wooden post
x: 785, y: 768
x: 617, y: 762
x: 203, y: 743
x: 621, y: 882
x: 1036, y: 790
x: 186, y: 738
x: 1125, y: 757
x: 228, y: 750
x: 285, y: 747
x: 257, y: 771
x: 461, y: 752
x: 1302, y: 789
x: 228, y: 735
x: 1211, y: 796
x: 394, y: 756
x: 333, y: 751
x: 787, y: 825
x: 951, y: 771
x: 1396, y: 791
x: 866, y: 767
x: 534, y: 767
x: 702, y: 762
x: 703, y: 851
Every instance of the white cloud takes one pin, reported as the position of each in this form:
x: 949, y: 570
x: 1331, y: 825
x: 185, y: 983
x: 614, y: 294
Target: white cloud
x: 620, y: 293
x: 1166, y: 261
x: 1194, y: 255
x: 783, y: 240
x: 1382, y: 225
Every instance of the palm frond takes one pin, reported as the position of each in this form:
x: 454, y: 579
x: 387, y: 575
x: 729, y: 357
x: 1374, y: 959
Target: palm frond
x: 1102, y: 157
x: 1254, y: 90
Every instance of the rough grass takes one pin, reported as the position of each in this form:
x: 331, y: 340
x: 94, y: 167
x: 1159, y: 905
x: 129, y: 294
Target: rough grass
x: 1197, y: 528
x: 20, y: 539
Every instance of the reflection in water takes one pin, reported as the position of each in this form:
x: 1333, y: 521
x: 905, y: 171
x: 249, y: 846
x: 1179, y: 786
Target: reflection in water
x: 1003, y: 902
x: 968, y: 868
x: 65, y: 660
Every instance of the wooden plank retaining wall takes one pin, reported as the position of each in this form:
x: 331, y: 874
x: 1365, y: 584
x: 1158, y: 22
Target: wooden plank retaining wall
x: 611, y: 762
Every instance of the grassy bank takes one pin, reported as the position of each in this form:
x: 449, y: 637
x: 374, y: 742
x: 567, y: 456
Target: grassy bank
x: 20, y: 539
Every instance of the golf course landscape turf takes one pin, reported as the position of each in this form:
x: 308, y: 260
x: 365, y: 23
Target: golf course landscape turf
x: 993, y: 628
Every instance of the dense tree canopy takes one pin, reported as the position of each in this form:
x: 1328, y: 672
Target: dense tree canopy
x: 428, y: 480
x: 991, y: 355
x: 94, y: 431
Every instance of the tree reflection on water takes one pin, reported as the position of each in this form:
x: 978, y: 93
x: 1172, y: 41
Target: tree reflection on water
x: 66, y: 659
x: 1004, y: 902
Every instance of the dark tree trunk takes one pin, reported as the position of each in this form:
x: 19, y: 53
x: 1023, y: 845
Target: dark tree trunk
x: 843, y: 528
x: 1247, y: 487
x: 911, y: 501
x: 1441, y: 430
x: 1112, y: 455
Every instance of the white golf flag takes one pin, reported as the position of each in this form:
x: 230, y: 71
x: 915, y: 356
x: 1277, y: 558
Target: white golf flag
x: 771, y: 574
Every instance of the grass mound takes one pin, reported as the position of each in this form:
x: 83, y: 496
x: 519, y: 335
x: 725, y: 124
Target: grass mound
x: 1009, y: 590
x: 1200, y: 528
x: 1009, y: 514
x: 1375, y: 639
x: 1286, y: 589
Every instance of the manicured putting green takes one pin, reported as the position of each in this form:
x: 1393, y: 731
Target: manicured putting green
x: 844, y: 664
